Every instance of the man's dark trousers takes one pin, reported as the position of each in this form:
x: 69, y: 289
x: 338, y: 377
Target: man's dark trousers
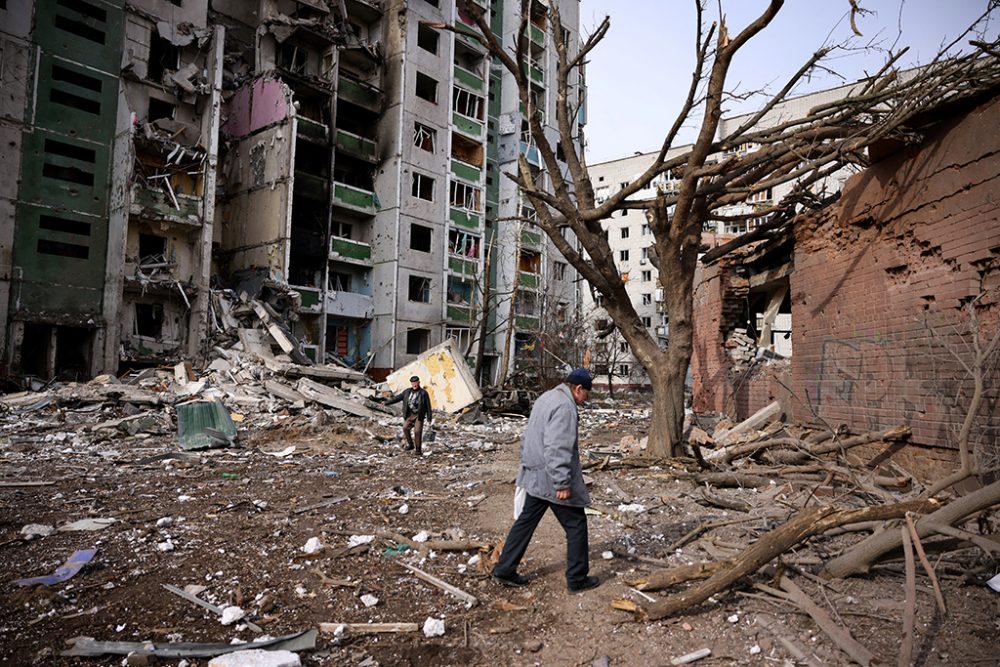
x: 417, y: 427
x: 573, y: 521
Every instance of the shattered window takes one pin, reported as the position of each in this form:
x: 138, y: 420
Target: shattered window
x: 423, y: 187
x: 647, y: 322
x: 427, y: 38
x: 420, y: 238
x: 467, y: 104
x: 624, y: 232
x: 292, y: 58
x: 424, y: 137
x: 417, y: 340
x: 647, y: 276
x: 559, y: 270
x: 426, y: 88
x: 420, y: 289
x: 647, y: 299
x: 463, y: 244
x: 465, y: 196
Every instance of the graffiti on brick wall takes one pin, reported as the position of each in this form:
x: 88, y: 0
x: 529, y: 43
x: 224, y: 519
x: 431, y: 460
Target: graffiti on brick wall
x: 859, y: 375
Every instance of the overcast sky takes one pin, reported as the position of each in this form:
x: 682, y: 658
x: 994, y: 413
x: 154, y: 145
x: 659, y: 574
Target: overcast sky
x: 638, y: 76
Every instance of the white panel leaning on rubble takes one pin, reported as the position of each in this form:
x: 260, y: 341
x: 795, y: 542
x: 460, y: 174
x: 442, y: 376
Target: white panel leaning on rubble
x: 444, y: 374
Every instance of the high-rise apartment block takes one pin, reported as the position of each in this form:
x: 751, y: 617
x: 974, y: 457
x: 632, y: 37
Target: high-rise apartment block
x: 345, y: 157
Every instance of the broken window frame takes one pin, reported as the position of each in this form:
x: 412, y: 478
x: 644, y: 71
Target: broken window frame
x: 463, y: 244
x: 422, y: 88
x: 468, y: 104
x: 421, y: 237
x: 422, y: 185
x: 419, y: 287
x: 559, y: 270
x: 424, y: 138
x: 465, y: 196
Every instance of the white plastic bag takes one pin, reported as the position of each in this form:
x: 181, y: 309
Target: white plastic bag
x: 519, y: 495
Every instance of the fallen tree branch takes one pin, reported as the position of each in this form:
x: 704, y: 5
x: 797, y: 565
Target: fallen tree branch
x: 840, y: 636
x: 910, y: 610
x: 469, y: 599
x: 859, y: 558
x: 807, y: 523
x: 989, y: 546
x: 919, y: 548
x: 661, y: 579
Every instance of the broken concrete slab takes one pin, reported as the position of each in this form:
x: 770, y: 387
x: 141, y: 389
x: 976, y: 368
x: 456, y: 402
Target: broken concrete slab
x: 328, y: 396
x: 256, y: 658
x: 444, y: 374
x: 85, y: 646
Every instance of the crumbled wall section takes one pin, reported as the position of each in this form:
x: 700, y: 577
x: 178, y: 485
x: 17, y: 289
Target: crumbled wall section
x: 719, y: 310
x: 879, y: 288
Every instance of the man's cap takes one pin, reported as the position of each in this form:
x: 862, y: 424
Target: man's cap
x: 581, y: 377
x: 414, y: 379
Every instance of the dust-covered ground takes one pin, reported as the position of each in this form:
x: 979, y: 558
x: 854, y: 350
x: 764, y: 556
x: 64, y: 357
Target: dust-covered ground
x: 235, y: 521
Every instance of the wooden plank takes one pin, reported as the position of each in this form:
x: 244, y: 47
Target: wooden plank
x: 362, y: 628
x: 469, y: 599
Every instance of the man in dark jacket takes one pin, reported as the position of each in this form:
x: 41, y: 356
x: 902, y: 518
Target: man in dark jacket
x: 416, y: 410
x: 552, y: 478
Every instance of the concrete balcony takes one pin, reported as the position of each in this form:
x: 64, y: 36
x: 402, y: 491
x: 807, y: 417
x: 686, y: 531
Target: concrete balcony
x: 350, y: 251
x: 526, y: 322
x: 470, y: 80
x: 354, y: 199
x: 466, y: 172
x: 467, y: 126
x: 313, y: 131
x: 531, y: 239
x: 311, y: 299
x: 355, y: 145
x: 459, y: 313
x: 350, y: 304
x: 362, y: 94
x: 157, y: 204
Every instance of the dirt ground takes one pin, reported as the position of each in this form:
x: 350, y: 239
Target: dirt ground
x: 235, y: 521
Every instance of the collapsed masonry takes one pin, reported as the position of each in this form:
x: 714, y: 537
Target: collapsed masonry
x: 862, y: 314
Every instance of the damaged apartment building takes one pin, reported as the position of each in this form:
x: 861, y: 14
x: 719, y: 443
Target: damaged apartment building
x: 343, y: 157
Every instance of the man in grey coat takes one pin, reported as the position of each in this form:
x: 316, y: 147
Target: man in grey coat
x: 551, y: 476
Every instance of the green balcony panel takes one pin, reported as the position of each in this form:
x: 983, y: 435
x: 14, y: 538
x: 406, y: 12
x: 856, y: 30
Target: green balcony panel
x: 466, y: 219
x: 310, y: 298
x: 355, y: 145
x: 526, y: 322
x: 537, y: 74
x: 464, y: 266
x: 310, y: 129
x: 156, y: 204
x: 466, y: 171
x: 354, y: 198
x: 531, y: 238
x: 87, y: 31
x: 466, y: 125
x: 341, y: 248
x: 359, y: 93
x: 526, y: 279
x: 469, y: 79
x: 536, y: 34
x: 204, y: 424
x: 460, y: 313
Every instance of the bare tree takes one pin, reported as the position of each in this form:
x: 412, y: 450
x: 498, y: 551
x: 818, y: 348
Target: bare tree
x: 887, y: 106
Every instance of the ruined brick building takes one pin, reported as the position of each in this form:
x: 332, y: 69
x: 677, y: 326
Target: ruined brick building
x: 345, y: 155
x: 878, y: 290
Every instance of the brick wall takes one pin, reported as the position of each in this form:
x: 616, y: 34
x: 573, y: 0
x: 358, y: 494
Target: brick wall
x: 879, y: 284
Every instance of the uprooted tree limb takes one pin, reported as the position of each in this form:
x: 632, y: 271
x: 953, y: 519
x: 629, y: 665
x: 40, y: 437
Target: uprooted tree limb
x: 860, y: 558
x: 807, y: 523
